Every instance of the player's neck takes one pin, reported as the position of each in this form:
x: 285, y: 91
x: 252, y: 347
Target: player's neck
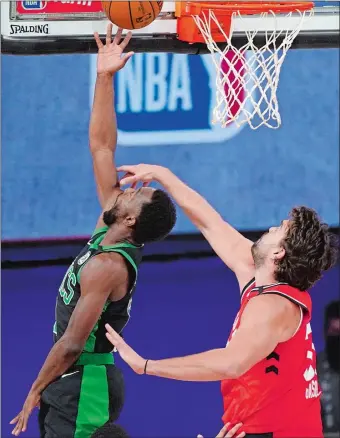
x: 116, y: 234
x: 264, y: 276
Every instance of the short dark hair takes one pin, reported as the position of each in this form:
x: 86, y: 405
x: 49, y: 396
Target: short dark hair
x: 310, y: 249
x: 156, y: 219
x: 110, y: 430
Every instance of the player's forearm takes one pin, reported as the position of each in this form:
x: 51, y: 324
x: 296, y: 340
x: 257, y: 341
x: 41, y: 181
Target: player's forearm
x: 59, y: 359
x: 103, y: 123
x: 209, y: 366
x: 199, y: 211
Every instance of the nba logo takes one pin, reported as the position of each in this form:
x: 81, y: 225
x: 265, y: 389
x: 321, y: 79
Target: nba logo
x: 37, y: 5
x: 164, y: 98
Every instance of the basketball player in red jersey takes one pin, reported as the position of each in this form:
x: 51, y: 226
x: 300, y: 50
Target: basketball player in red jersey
x: 268, y: 368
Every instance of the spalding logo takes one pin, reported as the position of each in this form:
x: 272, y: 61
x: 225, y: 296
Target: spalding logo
x: 38, y: 29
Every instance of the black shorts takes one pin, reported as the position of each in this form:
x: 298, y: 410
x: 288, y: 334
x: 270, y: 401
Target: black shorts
x: 82, y: 400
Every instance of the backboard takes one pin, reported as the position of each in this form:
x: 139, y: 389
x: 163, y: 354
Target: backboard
x: 56, y: 27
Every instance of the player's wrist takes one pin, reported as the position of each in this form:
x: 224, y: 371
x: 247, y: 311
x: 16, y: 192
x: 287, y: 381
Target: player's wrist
x: 36, y: 388
x: 161, y: 174
x: 105, y: 75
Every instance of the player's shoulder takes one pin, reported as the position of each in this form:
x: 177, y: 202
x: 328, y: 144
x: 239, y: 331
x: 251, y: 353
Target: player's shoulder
x: 108, y: 264
x: 270, y: 305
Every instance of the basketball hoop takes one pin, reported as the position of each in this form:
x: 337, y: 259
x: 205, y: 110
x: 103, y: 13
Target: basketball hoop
x: 247, y: 73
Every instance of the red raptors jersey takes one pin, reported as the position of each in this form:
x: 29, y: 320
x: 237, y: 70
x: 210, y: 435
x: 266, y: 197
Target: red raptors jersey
x: 280, y: 394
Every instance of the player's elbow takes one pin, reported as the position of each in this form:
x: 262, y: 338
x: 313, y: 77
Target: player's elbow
x: 235, y: 366
x: 71, y: 348
x: 232, y: 370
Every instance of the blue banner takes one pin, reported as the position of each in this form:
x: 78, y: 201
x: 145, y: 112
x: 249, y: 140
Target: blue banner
x: 164, y: 106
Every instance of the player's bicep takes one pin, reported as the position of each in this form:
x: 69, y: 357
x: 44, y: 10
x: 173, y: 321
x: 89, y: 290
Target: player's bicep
x: 232, y: 248
x: 105, y: 174
x: 262, y: 327
x: 84, y: 318
x: 97, y: 281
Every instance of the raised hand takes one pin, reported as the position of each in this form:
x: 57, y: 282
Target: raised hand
x: 136, y: 362
x: 110, y: 59
x: 144, y: 173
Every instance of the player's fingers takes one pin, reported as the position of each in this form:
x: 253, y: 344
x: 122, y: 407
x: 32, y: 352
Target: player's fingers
x: 233, y: 430
x: 128, y: 180
x: 24, y: 422
x: 134, y: 185
x: 16, y: 431
x: 112, y: 340
x: 109, y: 34
x: 126, y: 168
x: 98, y: 40
x: 222, y: 432
x: 145, y: 184
x: 127, y: 175
x: 125, y: 41
x: 118, y: 36
x: 116, y: 341
x: 113, y: 334
x: 127, y: 57
x: 241, y: 435
x: 15, y: 419
x: 199, y: 436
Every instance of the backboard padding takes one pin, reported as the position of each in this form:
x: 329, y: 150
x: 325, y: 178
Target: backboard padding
x: 70, y: 28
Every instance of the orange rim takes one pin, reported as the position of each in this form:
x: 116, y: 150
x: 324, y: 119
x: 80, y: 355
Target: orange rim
x: 187, y: 29
x: 249, y: 8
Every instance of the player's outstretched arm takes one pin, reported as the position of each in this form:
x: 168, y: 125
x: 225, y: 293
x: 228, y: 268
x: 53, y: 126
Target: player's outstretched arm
x: 103, y: 123
x: 233, y: 248
x: 266, y: 321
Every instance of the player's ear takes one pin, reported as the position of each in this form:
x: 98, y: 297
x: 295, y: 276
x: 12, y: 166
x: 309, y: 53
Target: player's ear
x: 279, y: 253
x: 130, y: 220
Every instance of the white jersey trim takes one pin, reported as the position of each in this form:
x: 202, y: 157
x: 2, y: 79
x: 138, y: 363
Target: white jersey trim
x: 294, y: 300
x: 299, y: 325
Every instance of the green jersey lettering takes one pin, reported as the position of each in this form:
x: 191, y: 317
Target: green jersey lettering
x: 71, y: 280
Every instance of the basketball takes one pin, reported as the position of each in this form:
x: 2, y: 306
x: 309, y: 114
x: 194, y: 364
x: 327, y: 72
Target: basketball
x: 132, y: 14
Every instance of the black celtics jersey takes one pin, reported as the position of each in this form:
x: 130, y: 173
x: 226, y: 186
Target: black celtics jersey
x: 114, y: 313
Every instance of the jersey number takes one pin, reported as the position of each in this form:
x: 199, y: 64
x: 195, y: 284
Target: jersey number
x: 70, y: 280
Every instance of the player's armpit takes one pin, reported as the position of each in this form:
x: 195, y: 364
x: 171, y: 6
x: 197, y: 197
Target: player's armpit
x: 266, y: 321
x: 101, y: 276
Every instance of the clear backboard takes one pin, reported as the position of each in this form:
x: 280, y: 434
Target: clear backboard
x: 55, y: 27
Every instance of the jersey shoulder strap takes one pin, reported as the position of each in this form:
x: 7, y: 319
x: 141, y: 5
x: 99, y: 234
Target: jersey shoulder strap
x: 129, y: 251
x: 98, y: 232
x: 301, y: 298
x: 247, y: 288
x: 132, y: 253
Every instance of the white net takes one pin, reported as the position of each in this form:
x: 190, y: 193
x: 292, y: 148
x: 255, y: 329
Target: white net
x: 248, y: 77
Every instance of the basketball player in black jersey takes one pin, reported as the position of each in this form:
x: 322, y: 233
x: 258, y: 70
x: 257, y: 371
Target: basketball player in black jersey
x: 78, y: 388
